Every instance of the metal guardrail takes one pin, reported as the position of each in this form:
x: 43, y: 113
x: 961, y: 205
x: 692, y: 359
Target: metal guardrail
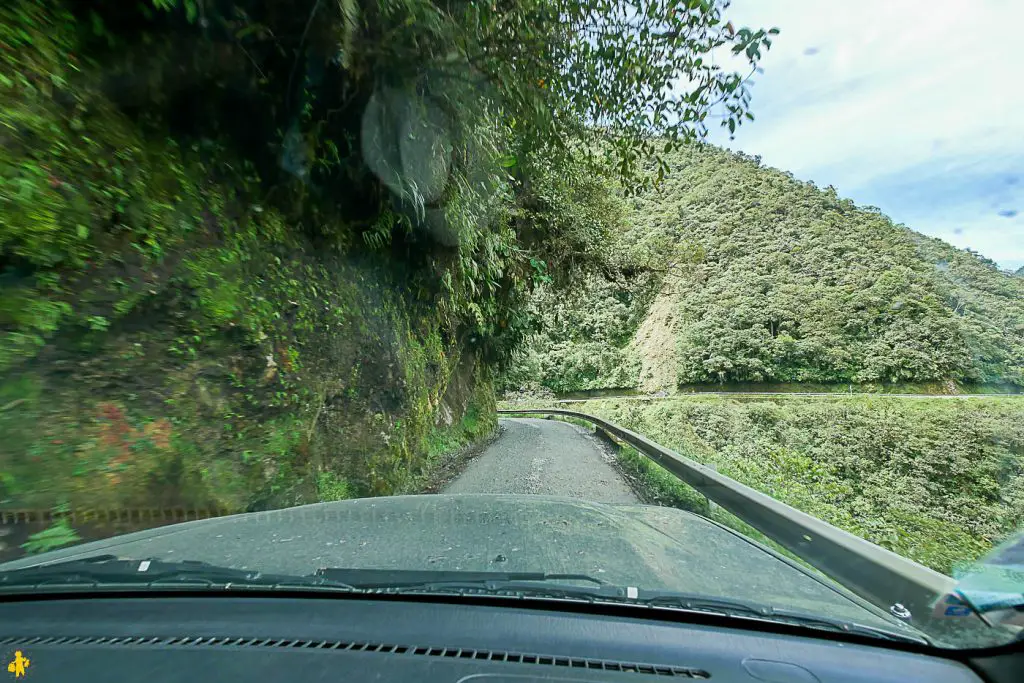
x: 880, y: 576
x: 782, y: 394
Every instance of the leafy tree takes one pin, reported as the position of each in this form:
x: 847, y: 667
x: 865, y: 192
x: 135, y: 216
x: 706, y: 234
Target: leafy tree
x: 402, y: 125
x: 638, y: 75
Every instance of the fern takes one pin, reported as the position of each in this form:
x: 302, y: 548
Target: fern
x: 57, y: 535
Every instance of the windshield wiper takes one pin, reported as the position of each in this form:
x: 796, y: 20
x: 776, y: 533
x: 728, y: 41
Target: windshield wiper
x: 402, y: 578
x: 108, y: 571
x: 770, y: 613
x: 538, y: 587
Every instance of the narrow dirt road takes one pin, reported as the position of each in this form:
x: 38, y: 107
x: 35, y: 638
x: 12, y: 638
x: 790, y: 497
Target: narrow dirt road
x: 545, y: 457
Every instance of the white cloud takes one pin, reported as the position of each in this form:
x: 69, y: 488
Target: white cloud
x: 913, y: 106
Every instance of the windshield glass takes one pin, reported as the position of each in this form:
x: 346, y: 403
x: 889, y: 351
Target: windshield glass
x: 269, y: 270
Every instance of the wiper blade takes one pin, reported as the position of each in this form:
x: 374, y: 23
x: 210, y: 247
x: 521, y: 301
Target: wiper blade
x: 532, y: 586
x: 102, y: 569
x: 831, y: 624
x: 770, y: 613
x: 109, y: 571
x: 384, y: 578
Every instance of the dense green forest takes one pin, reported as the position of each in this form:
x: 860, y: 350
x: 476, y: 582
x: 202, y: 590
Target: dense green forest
x: 256, y: 253
x: 731, y: 272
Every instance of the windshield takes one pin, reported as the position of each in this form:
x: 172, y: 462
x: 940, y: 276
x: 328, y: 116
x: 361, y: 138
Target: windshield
x: 269, y: 270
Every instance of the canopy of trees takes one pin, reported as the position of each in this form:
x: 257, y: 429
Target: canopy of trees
x: 408, y: 125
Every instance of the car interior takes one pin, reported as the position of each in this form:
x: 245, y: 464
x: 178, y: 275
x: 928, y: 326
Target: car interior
x: 183, y: 637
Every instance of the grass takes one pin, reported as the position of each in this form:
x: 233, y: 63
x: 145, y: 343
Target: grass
x: 659, y: 486
x: 57, y: 535
x: 332, y: 487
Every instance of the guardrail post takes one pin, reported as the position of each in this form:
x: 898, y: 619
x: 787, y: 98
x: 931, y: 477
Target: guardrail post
x: 712, y: 505
x: 607, y: 438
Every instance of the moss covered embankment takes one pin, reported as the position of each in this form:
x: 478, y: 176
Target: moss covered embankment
x: 185, y: 323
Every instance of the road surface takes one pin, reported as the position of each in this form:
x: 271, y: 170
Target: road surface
x: 545, y: 457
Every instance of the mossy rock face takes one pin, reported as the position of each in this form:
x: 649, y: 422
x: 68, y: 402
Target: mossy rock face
x: 187, y: 401
x: 172, y: 329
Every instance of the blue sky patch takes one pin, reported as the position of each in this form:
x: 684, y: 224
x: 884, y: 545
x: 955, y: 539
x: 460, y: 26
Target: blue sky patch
x: 908, y: 106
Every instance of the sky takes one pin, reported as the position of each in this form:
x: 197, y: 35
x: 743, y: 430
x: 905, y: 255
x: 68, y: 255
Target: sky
x: 913, y: 106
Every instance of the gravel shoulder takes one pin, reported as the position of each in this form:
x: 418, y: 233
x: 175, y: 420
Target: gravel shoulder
x: 545, y: 457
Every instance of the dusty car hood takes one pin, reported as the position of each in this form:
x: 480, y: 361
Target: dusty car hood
x: 628, y: 545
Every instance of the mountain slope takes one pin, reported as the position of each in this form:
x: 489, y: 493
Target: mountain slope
x: 748, y: 275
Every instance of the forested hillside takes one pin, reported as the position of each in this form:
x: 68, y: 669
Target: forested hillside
x: 731, y: 272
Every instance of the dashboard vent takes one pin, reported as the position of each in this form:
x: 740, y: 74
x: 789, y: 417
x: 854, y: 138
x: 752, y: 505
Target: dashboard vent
x: 382, y: 648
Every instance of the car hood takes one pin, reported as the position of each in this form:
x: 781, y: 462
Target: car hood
x: 628, y: 545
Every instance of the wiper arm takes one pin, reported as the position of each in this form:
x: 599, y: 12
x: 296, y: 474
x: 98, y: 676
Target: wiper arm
x: 102, y: 569
x: 383, y: 578
x: 533, y: 586
x: 765, y: 612
x: 108, y: 570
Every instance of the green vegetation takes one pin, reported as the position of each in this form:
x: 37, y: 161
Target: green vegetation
x: 55, y: 536
x: 657, y: 486
x: 730, y: 272
x: 732, y: 276
x: 253, y: 257
x: 936, y: 480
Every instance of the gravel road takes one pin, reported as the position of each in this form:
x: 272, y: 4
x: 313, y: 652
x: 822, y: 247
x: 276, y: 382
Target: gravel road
x: 545, y: 457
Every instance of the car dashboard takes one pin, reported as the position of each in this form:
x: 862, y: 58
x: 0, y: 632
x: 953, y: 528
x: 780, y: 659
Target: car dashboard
x: 192, y: 638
